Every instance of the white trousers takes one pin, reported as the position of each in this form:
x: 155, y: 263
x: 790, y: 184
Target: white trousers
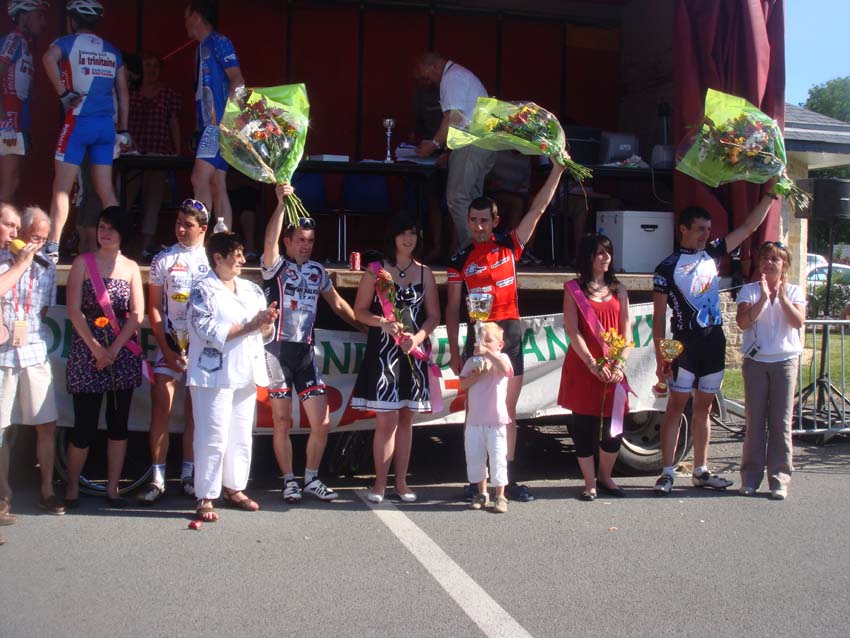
x: 224, y: 420
x: 481, y: 441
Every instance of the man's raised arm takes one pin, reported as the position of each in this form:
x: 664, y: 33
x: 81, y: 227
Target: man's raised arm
x: 526, y: 226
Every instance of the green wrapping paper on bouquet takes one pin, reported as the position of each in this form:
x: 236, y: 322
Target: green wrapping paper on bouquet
x: 516, y: 126
x: 737, y: 142
x: 262, y: 134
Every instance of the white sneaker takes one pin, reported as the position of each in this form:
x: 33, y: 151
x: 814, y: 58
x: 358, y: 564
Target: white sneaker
x: 707, y: 479
x: 779, y: 494
x: 188, y: 484
x: 292, y: 492
x: 320, y: 490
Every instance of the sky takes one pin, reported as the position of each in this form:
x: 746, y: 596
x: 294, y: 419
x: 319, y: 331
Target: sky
x: 817, y: 45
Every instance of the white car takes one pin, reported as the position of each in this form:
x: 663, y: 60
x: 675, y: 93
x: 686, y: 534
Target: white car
x: 816, y: 286
x: 840, y: 274
x: 815, y: 261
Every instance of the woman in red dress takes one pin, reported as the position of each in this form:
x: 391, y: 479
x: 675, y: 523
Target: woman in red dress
x: 584, y: 383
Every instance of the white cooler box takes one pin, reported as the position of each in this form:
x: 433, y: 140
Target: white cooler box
x: 641, y: 238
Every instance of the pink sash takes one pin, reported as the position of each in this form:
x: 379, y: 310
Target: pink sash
x: 618, y: 409
x: 434, y: 374
x: 102, y: 296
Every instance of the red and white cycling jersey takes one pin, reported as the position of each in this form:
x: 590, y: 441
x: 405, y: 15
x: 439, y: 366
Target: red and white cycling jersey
x: 490, y: 267
x: 16, y: 54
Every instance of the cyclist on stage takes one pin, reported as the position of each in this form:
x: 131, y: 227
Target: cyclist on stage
x: 296, y: 283
x: 88, y: 74
x: 16, y: 71
x: 174, y: 272
x: 687, y: 282
x: 489, y: 265
x: 218, y: 76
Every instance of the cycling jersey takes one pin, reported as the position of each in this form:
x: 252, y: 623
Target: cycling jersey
x: 177, y: 270
x: 214, y: 55
x: 89, y: 67
x: 296, y: 289
x: 490, y: 267
x: 16, y: 54
x: 689, y: 279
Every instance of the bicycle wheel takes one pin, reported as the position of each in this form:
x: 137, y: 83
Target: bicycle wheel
x: 137, y: 470
x: 722, y: 416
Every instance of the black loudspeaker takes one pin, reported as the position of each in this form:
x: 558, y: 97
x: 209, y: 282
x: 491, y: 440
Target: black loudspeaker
x: 831, y: 198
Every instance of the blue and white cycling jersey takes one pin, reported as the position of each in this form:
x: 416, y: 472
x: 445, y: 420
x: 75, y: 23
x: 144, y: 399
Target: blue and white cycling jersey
x: 89, y: 67
x: 16, y: 54
x: 212, y: 86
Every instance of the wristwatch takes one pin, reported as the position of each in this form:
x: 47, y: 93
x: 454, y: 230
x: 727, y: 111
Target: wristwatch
x: 436, y: 144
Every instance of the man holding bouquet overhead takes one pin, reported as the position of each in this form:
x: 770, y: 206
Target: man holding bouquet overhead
x: 296, y: 282
x: 488, y: 266
x: 687, y: 282
x: 218, y: 76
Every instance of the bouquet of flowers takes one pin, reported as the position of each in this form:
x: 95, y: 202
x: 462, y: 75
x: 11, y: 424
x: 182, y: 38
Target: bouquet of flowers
x: 262, y: 134
x: 616, y: 345
x: 610, y: 359
x: 736, y: 141
x: 519, y: 126
x: 386, y: 290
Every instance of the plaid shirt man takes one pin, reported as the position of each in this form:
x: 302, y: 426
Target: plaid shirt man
x: 38, y: 285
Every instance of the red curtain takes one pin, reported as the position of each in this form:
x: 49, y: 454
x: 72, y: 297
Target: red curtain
x: 738, y: 47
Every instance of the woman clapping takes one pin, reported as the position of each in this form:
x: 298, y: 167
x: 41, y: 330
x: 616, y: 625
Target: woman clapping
x: 228, y: 321
x: 770, y: 312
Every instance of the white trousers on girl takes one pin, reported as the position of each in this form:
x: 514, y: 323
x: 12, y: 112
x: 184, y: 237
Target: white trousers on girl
x: 224, y: 420
x: 481, y: 441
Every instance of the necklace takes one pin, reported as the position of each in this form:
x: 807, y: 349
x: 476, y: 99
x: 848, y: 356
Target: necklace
x: 402, y: 271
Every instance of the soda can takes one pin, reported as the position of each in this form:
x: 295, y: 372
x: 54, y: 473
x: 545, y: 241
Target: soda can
x: 354, y: 261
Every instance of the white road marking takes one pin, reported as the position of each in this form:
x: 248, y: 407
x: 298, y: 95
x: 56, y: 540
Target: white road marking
x: 484, y: 611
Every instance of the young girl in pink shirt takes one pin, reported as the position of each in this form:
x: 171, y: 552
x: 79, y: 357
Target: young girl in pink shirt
x: 485, y: 378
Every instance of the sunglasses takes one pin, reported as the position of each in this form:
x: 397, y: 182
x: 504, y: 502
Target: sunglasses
x: 194, y: 206
x: 307, y: 223
x: 771, y: 244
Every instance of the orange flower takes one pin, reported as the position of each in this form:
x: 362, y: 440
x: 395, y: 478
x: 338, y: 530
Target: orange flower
x: 101, y: 322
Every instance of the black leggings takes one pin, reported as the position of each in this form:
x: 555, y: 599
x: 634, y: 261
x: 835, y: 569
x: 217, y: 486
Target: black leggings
x: 584, y: 430
x: 87, y: 416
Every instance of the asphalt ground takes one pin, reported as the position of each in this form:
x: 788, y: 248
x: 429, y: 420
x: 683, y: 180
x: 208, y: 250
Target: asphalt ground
x: 695, y: 563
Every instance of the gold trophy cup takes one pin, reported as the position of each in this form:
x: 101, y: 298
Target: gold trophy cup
x: 670, y: 349
x: 181, y: 338
x: 479, y: 305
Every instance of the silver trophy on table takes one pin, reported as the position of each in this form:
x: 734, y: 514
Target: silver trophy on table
x: 389, y: 124
x: 479, y: 305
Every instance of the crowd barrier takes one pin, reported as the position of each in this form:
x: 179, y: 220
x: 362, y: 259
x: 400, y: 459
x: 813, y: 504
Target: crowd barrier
x: 340, y: 353
x: 822, y: 403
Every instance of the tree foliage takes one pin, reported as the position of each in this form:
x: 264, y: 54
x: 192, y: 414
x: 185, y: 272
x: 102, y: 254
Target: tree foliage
x: 831, y: 99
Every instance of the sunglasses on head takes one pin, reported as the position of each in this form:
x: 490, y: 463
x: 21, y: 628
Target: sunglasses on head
x: 307, y: 223
x: 194, y: 204
x: 771, y: 244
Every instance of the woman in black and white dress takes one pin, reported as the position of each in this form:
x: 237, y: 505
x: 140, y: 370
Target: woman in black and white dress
x: 392, y: 382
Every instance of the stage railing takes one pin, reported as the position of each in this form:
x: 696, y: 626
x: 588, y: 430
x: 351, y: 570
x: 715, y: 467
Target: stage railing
x: 822, y: 405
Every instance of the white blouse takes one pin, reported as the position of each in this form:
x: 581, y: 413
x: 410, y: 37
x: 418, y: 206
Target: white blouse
x: 777, y: 340
x: 215, y: 362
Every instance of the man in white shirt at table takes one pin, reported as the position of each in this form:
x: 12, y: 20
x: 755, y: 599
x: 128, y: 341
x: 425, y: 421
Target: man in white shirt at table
x: 468, y: 166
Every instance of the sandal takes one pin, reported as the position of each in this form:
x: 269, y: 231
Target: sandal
x: 245, y: 504
x: 206, y: 512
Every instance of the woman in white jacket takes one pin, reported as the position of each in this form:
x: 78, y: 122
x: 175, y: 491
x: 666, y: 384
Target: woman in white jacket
x: 228, y: 321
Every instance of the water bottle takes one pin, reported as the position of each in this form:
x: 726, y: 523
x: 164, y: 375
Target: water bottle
x: 220, y: 226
